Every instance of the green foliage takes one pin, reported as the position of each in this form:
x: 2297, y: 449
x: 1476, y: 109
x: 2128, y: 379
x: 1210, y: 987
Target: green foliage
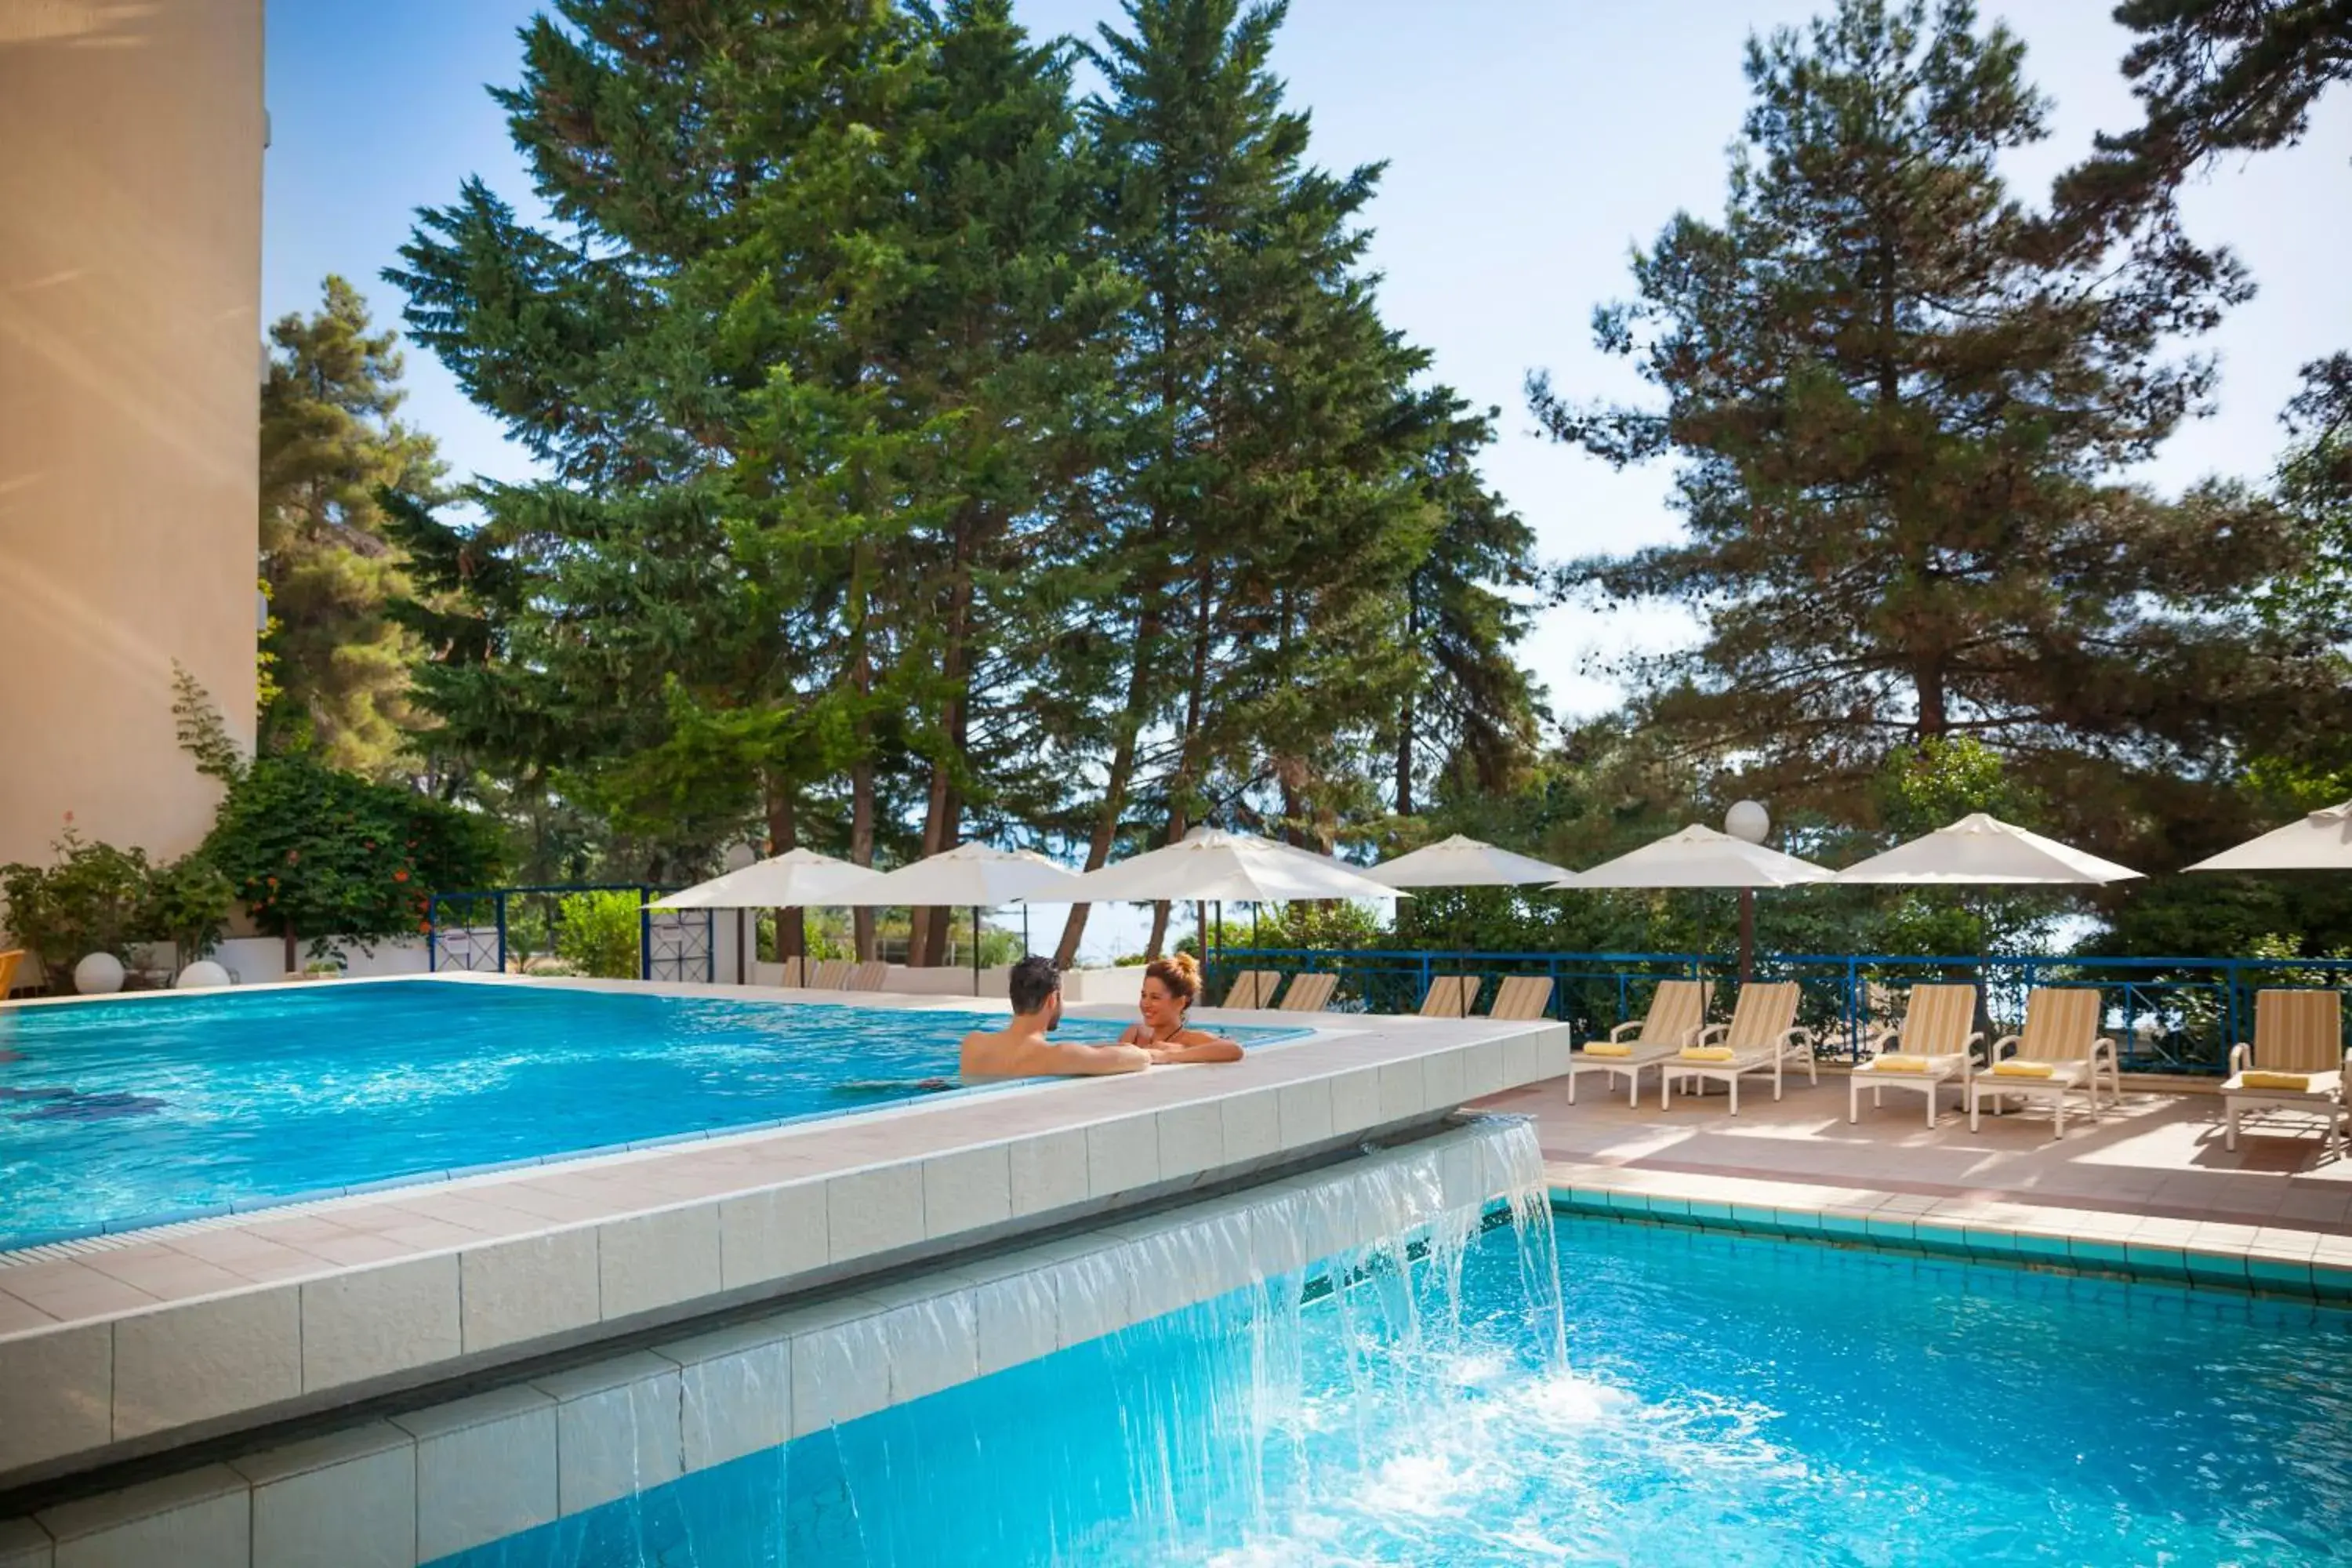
x: 1906, y: 411
x: 337, y: 666
x: 189, y: 903
x: 93, y: 898
x: 320, y: 855
x: 203, y: 733
x: 602, y: 933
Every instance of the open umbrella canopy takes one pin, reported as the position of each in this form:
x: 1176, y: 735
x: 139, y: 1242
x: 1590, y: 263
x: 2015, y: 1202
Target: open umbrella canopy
x: 1216, y: 867
x: 1461, y: 862
x: 2321, y: 841
x: 1981, y: 849
x: 797, y: 879
x: 978, y: 875
x: 1699, y: 856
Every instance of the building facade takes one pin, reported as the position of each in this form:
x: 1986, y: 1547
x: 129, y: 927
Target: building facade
x: 130, y: 149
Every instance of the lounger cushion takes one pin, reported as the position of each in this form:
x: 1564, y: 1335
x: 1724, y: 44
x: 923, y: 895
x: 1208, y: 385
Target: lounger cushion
x: 1895, y: 1061
x: 2022, y: 1069
x: 1707, y: 1053
x: 1608, y: 1049
x: 2295, y: 1082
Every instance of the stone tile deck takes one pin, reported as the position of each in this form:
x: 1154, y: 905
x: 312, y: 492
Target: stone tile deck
x: 2149, y: 1184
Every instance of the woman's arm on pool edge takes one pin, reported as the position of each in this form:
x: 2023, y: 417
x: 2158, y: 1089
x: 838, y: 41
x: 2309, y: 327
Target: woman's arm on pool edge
x: 1194, y: 1049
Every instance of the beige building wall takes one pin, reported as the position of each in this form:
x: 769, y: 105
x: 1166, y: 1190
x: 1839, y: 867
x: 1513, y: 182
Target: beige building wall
x: 130, y: 147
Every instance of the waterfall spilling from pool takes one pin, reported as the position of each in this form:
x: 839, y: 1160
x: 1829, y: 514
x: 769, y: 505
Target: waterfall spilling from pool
x: 1209, y: 1372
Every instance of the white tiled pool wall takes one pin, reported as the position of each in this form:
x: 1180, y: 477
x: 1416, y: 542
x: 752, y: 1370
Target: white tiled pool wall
x: 113, y: 1384
x: 419, y: 1485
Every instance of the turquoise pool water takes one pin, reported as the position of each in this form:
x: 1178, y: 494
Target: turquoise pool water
x: 121, y: 1114
x: 1722, y: 1400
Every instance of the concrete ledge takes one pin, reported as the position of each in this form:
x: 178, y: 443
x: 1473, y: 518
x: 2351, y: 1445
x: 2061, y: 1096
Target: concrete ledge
x: 463, y: 1473
x: 151, y: 1342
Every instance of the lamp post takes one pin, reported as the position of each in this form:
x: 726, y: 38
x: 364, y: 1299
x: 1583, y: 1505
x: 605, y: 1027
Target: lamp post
x: 1747, y: 820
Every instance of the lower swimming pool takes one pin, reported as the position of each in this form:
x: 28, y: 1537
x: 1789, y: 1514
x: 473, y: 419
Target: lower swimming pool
x: 1720, y: 1400
x: 114, y: 1114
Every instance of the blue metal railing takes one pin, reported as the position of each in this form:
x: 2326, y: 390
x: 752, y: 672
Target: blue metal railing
x: 672, y: 944
x: 2166, y: 1015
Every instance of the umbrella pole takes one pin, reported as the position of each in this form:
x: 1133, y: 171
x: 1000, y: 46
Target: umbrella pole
x: 975, y: 950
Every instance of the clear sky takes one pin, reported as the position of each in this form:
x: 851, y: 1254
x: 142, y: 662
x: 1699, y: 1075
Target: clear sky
x: 1529, y: 143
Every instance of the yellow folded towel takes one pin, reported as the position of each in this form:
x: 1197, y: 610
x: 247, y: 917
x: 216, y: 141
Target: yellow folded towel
x: 2300, y: 1082
x: 1707, y: 1053
x: 2022, y: 1069
x: 1895, y: 1061
x: 1607, y: 1048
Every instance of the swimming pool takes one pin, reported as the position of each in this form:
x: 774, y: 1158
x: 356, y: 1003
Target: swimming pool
x: 114, y: 1114
x: 1721, y: 1400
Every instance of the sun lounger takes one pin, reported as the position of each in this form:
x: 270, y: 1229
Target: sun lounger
x: 1935, y: 1046
x: 867, y: 977
x: 829, y: 975
x: 2059, y: 1053
x: 1308, y: 994
x: 1521, y: 996
x: 1449, y: 996
x: 1677, y: 1013
x: 1762, y: 1035
x: 9, y: 963
x: 795, y: 973
x: 1254, y: 988
x: 2296, y: 1062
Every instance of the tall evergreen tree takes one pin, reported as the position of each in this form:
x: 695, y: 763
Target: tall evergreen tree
x: 331, y: 441
x: 1902, y: 417
x: 1262, y: 516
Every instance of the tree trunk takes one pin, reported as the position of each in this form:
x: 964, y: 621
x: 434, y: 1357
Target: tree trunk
x: 291, y: 966
x: 783, y: 836
x: 861, y: 846
x: 1406, y: 717
x: 1114, y: 785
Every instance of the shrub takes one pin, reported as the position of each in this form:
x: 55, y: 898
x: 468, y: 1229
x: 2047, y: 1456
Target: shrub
x: 188, y: 904
x: 91, y: 900
x: 602, y: 934
x: 321, y: 854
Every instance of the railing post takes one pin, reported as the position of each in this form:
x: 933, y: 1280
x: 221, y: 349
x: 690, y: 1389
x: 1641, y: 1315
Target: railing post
x: 432, y: 933
x: 499, y: 899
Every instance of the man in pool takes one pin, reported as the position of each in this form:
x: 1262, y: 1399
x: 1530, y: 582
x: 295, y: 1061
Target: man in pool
x: 1021, y: 1049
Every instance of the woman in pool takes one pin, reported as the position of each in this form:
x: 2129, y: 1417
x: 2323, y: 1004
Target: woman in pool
x: 1170, y: 986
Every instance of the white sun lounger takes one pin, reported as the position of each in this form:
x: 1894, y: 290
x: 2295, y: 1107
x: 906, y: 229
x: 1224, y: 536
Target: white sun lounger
x: 1308, y: 994
x: 1935, y: 1046
x: 1521, y: 996
x: 2061, y: 1052
x: 1677, y: 1013
x: 1762, y: 1035
x: 1254, y: 988
x: 2297, y: 1061
x: 1449, y: 996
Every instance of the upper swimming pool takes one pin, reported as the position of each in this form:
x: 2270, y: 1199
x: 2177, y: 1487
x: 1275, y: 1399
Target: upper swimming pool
x: 116, y: 1114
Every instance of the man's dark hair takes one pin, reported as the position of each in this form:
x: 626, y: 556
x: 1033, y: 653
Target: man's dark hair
x: 1032, y: 982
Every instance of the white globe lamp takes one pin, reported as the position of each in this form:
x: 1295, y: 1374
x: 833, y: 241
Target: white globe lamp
x: 99, y: 974
x: 1748, y: 819
x: 204, y: 974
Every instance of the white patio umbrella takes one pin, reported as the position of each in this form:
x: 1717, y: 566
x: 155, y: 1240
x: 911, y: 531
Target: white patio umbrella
x: 2319, y: 841
x: 1464, y: 862
x: 1983, y: 851
x: 1699, y: 856
x: 978, y: 875
x: 1461, y: 861
x: 796, y: 879
x: 1216, y: 866
x: 1213, y: 865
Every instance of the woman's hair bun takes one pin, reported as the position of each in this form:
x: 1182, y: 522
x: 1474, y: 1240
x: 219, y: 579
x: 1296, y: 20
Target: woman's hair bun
x: 1180, y: 972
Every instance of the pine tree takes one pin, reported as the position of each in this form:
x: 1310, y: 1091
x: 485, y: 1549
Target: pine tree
x: 330, y: 443
x: 1263, y: 514
x: 1905, y: 417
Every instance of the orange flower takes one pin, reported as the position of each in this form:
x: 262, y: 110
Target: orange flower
x: 400, y: 875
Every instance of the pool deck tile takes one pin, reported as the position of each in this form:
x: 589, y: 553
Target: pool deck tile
x: 2146, y: 1190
